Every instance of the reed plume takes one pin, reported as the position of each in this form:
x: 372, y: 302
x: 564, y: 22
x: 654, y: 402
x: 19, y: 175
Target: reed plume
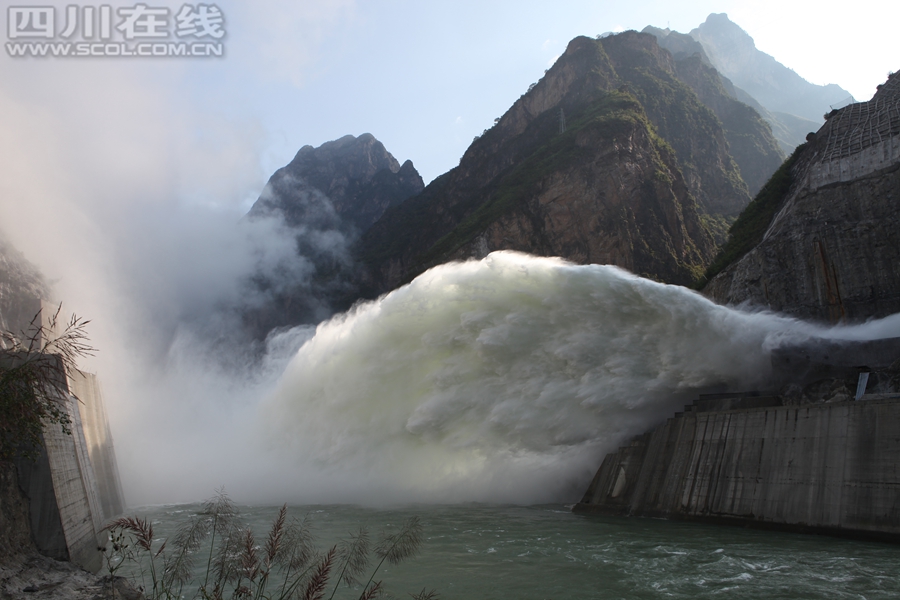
x: 315, y: 589
x: 141, y: 529
x: 401, y: 545
x: 372, y: 591
x: 242, y: 569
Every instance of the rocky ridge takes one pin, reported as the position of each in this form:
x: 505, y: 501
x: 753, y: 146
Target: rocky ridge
x: 724, y: 37
x: 357, y: 175
x: 734, y: 54
x: 610, y: 158
x: 325, y: 197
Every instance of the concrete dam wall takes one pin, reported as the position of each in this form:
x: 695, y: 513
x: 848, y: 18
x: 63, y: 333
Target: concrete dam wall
x: 72, y: 489
x: 821, y: 455
x: 769, y: 460
x: 832, y: 468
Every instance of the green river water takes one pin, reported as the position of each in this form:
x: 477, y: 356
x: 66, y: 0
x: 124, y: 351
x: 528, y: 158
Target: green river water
x: 476, y: 551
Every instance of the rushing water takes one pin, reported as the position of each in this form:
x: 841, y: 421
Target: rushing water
x: 503, y: 380
x: 478, y: 551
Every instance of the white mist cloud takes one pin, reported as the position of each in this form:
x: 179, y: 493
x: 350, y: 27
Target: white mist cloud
x: 503, y: 380
x: 125, y: 183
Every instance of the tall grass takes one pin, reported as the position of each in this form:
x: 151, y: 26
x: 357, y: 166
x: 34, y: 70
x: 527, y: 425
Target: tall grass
x: 34, y: 389
x: 286, y: 565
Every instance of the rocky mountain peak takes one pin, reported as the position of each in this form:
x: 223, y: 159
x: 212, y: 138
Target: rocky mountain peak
x: 733, y: 52
x: 348, y: 158
x: 609, y: 158
x: 356, y: 178
x: 681, y: 45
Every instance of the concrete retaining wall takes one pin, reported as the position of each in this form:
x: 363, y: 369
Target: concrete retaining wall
x: 99, y: 442
x: 73, y: 488
x: 832, y: 468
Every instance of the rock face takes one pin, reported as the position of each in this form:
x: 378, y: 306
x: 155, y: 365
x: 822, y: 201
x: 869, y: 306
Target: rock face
x: 750, y: 139
x: 832, y: 249
x: 360, y: 178
x: 610, y: 158
x: 325, y: 197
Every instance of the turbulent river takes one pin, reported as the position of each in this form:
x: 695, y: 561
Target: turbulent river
x: 541, y: 552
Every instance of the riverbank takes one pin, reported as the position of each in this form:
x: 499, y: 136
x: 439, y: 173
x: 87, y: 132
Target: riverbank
x: 36, y: 577
x: 27, y: 574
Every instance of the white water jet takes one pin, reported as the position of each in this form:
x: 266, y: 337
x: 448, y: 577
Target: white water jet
x: 505, y: 379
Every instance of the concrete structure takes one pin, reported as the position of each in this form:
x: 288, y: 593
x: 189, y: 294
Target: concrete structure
x: 99, y: 441
x: 771, y: 460
x: 73, y: 487
x: 859, y: 139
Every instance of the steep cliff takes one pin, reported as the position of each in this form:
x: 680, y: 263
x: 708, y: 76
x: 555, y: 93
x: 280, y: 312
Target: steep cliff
x: 323, y: 199
x: 750, y: 138
x: 21, y: 288
x: 610, y: 158
x: 824, y: 242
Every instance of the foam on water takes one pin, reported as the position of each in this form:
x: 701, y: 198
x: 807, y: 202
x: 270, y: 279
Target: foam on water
x: 506, y: 379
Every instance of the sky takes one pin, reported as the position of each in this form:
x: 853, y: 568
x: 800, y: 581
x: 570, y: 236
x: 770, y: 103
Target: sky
x: 122, y: 178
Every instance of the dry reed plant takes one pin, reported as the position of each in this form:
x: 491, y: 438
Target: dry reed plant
x: 285, y: 566
x: 34, y: 389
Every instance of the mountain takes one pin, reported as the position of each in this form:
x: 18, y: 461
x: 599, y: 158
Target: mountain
x: 325, y: 197
x: 719, y: 37
x: 359, y: 177
x: 734, y: 54
x: 749, y: 137
x: 821, y: 240
x: 610, y: 158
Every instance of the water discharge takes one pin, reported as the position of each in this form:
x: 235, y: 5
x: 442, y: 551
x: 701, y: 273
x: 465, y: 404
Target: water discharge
x: 507, y: 379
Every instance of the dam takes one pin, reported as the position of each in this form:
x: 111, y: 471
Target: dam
x: 72, y: 488
x: 820, y: 456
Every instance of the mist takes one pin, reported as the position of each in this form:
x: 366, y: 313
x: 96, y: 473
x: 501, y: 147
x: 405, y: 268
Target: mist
x: 130, y: 196
x: 506, y: 380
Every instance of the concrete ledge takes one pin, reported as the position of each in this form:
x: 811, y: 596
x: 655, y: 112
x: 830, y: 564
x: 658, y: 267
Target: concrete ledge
x: 828, y: 468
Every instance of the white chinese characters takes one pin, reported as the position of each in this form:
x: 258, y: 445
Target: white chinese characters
x: 206, y: 20
x: 137, y: 22
x: 30, y: 22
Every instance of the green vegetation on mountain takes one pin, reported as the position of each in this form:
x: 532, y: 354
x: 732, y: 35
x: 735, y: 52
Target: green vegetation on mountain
x: 750, y: 227
x: 637, y: 176
x: 612, y: 115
